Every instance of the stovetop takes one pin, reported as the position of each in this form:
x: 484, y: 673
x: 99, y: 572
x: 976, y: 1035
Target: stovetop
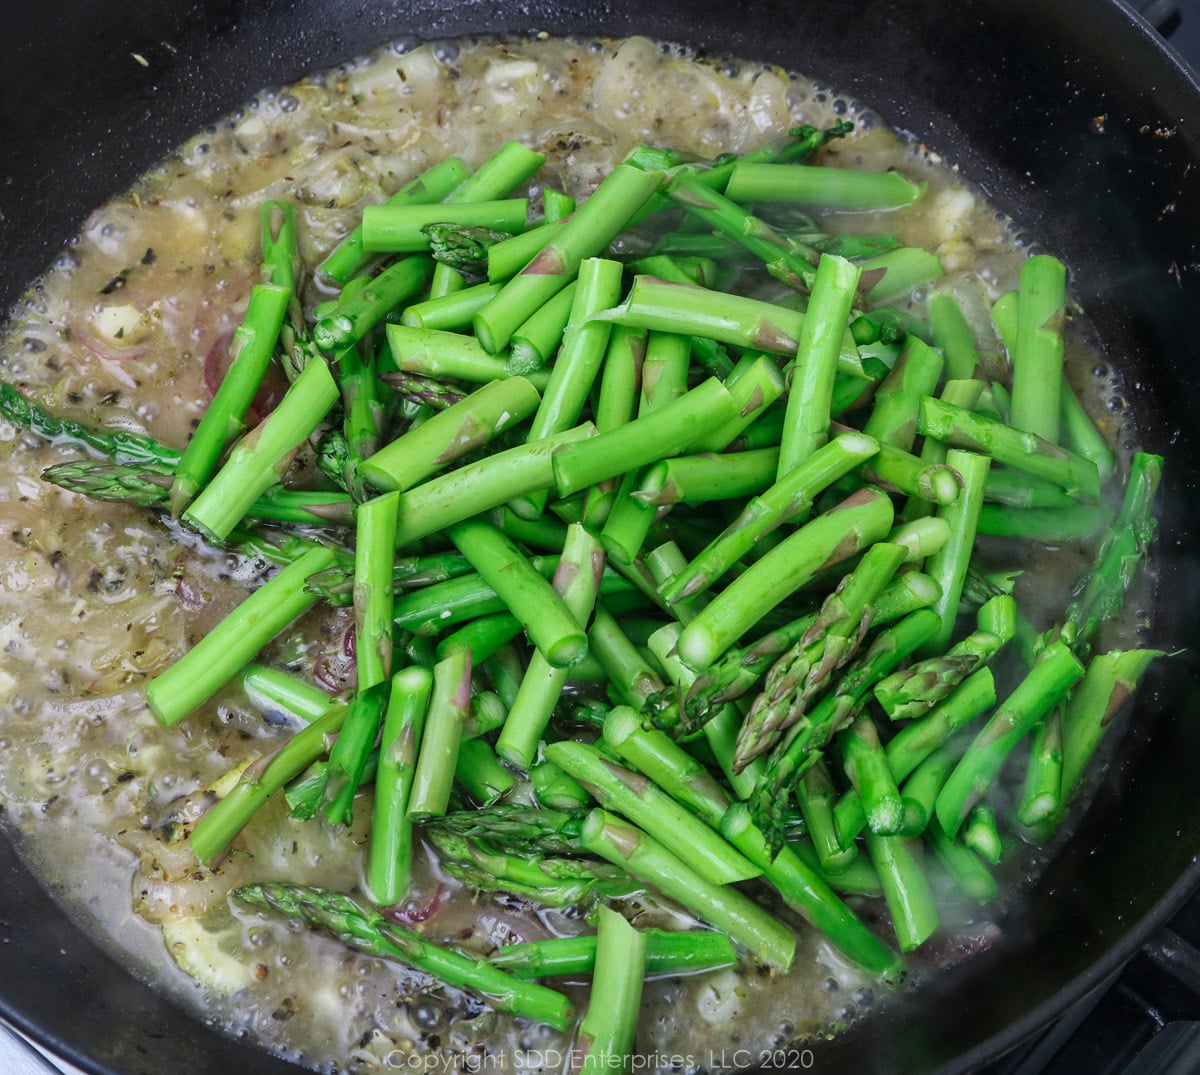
x: 1145, y: 1020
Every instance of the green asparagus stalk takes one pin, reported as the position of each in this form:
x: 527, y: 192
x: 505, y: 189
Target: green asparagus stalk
x: 577, y: 582
x: 920, y: 790
x: 816, y: 796
x: 810, y: 734
x: 665, y: 431
x: 557, y: 791
x: 480, y: 773
x: 668, y: 953
x: 948, y: 565
x: 368, y: 931
x: 1101, y: 592
x: 538, y: 339
x: 479, y: 487
x: 232, y: 644
x: 451, y: 434
x: 373, y: 554
x: 451, y: 312
x: 607, y: 1030
x: 893, y: 419
x: 981, y: 834
x: 1043, y: 773
x: 906, y: 888
x: 579, y: 360
x: 658, y: 305
x: 856, y: 878
x: 739, y: 670
x: 954, y: 337
x: 361, y: 309
x: 915, y: 742
x: 348, y: 258
x: 1037, y: 360
x: 1010, y: 447
x: 449, y: 355
x: 1106, y: 687
x: 397, y: 229
x: 449, y: 705
x: 646, y: 805
x: 804, y: 671
x: 867, y: 769
x: 835, y: 188
x: 548, y: 621
x: 259, y: 459
x: 851, y: 526
x: 806, y: 425
x: 894, y: 275
x: 1047, y: 682
x: 222, y: 822
x: 250, y: 353
x: 348, y: 758
x: 122, y: 446
x: 789, y: 500
x: 389, y: 858
x: 963, y: 865
x: 804, y: 891
x: 272, y: 692
x: 765, y: 938
x: 586, y: 233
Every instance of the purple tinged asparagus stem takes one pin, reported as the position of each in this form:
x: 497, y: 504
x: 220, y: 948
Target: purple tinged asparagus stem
x: 806, y: 424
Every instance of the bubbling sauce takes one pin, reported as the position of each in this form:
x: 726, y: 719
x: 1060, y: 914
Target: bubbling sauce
x: 98, y: 597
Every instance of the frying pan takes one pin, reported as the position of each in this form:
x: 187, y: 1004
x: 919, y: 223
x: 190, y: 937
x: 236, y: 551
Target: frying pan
x: 1075, y: 119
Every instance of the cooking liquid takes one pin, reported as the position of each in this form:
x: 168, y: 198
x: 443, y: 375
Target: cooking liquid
x: 95, y: 598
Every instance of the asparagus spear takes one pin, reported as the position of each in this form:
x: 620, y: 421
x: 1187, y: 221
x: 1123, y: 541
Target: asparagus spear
x: 253, y: 345
x: 259, y: 459
x: 806, y: 425
x: 905, y: 887
x: 348, y: 758
x: 122, y: 446
x: 646, y: 805
x: 822, y: 185
x: 584, y: 234
x: 348, y: 258
x: 1048, y: 681
x: 233, y: 642
x: 668, y: 953
x: 788, y: 500
x: 389, y: 857
x: 374, y: 552
x: 856, y: 523
x: 1037, y: 359
x: 766, y: 938
x: 806, y: 893
x: 368, y: 931
x: 452, y: 433
x: 449, y: 705
x: 804, y: 671
x: 867, y: 769
x: 606, y: 1032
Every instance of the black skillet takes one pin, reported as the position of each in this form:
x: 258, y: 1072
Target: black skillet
x: 1076, y: 120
